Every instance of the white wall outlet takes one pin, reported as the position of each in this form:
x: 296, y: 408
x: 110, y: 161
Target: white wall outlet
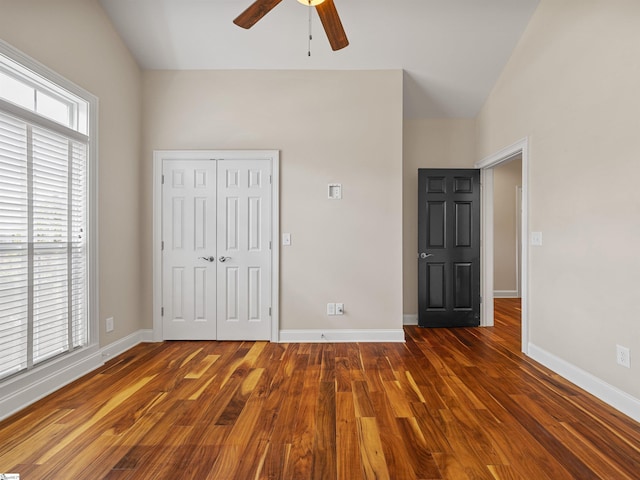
x: 109, y: 325
x: 536, y: 239
x: 335, y: 191
x: 339, y: 308
x: 331, y: 308
x: 623, y: 356
x: 286, y: 239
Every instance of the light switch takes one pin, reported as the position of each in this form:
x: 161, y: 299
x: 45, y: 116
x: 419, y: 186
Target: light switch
x: 286, y: 239
x: 536, y: 238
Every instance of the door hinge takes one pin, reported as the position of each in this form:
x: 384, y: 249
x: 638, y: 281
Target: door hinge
x: 162, y: 245
x: 269, y: 244
x: 269, y: 179
x: 162, y: 311
x: 269, y: 311
x: 162, y: 180
x: 480, y: 298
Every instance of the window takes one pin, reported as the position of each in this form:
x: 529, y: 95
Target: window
x: 32, y: 92
x: 45, y: 196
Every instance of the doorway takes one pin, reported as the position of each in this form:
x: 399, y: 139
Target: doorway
x: 507, y: 187
x: 215, y: 255
x: 487, y: 165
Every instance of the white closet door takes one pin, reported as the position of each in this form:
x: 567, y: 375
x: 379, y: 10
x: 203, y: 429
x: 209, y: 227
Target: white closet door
x: 244, y: 251
x: 188, y: 256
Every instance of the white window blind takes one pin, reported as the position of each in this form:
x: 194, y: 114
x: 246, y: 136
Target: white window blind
x: 43, y: 250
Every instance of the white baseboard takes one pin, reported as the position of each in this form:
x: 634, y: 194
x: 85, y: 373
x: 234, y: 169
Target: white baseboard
x: 410, y: 319
x: 23, y: 390
x: 609, y: 394
x: 120, y: 346
x: 505, y: 294
x: 341, y: 336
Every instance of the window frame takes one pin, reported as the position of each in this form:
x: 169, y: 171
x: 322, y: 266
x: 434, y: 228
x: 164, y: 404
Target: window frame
x: 28, y: 386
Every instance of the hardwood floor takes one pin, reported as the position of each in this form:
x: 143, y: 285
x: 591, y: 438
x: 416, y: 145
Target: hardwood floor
x: 447, y: 404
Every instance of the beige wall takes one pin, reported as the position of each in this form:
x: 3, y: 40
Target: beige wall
x: 343, y: 127
x: 506, y: 178
x: 571, y: 86
x: 428, y: 143
x: 76, y: 39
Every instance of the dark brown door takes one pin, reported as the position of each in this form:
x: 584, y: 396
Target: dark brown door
x: 448, y: 247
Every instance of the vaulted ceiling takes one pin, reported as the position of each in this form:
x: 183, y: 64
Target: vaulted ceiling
x: 452, y: 51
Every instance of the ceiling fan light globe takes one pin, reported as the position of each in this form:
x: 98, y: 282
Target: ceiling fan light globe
x: 311, y: 3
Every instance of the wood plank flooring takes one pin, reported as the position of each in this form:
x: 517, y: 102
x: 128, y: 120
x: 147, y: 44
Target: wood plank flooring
x: 447, y: 404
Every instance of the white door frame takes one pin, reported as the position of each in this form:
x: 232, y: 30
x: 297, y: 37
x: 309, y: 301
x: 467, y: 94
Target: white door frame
x: 519, y: 240
x: 486, y: 166
x: 158, y: 157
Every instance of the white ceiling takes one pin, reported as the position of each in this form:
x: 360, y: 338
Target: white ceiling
x: 452, y: 51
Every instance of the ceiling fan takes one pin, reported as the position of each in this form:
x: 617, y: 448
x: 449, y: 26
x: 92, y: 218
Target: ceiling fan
x: 326, y: 11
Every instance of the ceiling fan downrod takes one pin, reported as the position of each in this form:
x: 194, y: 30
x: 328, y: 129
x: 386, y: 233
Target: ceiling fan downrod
x: 310, y: 33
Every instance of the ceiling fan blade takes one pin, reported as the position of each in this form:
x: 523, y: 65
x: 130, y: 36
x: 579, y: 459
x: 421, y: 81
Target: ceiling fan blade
x: 332, y: 24
x: 255, y: 12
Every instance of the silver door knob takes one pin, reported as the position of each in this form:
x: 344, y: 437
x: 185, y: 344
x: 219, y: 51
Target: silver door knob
x: 425, y: 255
x: 224, y: 259
x: 209, y: 259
